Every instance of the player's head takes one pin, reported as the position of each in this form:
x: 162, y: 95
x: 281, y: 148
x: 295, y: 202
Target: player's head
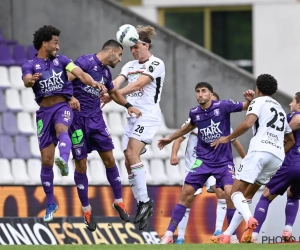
x: 266, y: 85
x: 46, y: 39
x: 204, y: 92
x: 295, y: 104
x: 141, y: 49
x: 215, y: 97
x: 113, y: 50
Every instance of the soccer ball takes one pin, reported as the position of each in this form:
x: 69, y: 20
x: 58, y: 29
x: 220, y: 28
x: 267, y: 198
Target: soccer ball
x: 127, y: 35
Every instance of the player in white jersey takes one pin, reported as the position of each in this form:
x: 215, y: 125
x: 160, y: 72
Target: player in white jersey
x: 266, y: 150
x: 145, y: 76
x: 190, y: 158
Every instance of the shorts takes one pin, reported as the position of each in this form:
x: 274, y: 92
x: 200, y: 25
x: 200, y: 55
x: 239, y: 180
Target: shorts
x: 88, y: 134
x: 258, y: 166
x: 46, y: 120
x: 201, y: 171
x: 143, y: 128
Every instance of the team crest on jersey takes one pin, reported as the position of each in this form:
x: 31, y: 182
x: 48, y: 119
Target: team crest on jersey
x: 78, y: 151
x: 216, y: 112
x: 56, y: 62
x: 151, y: 69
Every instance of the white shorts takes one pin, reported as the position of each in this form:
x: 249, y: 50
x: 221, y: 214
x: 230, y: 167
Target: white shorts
x: 258, y: 166
x: 143, y: 129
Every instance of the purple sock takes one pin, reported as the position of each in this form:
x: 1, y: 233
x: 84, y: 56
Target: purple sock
x: 229, y: 214
x: 291, y: 210
x: 47, y: 182
x: 261, y: 211
x: 177, y: 215
x: 64, y: 146
x: 82, y: 185
x: 114, y: 180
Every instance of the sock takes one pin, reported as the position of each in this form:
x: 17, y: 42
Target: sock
x: 235, y: 222
x: 133, y: 186
x: 64, y: 146
x: 183, y: 223
x: 177, y: 215
x: 114, y: 180
x: 82, y: 185
x: 241, y: 205
x: 221, y: 212
x: 261, y: 211
x: 47, y: 182
x: 288, y: 228
x: 291, y: 210
x: 139, y: 173
x: 229, y: 214
x: 87, y: 208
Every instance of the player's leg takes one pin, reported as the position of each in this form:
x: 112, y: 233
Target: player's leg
x: 63, y: 118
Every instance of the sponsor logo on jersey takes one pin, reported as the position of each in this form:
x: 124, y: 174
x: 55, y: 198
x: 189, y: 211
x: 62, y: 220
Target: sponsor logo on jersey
x: 211, y: 132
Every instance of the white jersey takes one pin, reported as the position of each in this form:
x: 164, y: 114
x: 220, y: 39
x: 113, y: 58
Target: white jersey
x: 147, y: 98
x: 270, y: 127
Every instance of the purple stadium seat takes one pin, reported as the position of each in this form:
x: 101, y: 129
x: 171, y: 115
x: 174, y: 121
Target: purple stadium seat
x: 5, y: 56
x: 22, y: 147
x: 4, y: 41
x: 7, y: 147
x: 9, y: 124
x: 19, y: 54
x: 3, y: 106
x: 31, y: 51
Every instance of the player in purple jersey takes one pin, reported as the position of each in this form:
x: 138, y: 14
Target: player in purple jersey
x: 88, y: 130
x: 286, y: 179
x: 46, y: 74
x: 212, y: 118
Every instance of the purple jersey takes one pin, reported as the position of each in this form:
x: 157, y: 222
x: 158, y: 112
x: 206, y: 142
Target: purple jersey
x: 293, y: 156
x: 213, y: 123
x: 54, y: 79
x: 86, y: 95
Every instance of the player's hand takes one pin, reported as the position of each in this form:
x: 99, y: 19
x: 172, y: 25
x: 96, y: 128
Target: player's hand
x: 105, y: 98
x: 35, y: 77
x: 133, y: 110
x: 221, y: 140
x: 74, y: 103
x: 163, y: 142
x: 249, y: 95
x: 100, y: 86
x: 174, y: 160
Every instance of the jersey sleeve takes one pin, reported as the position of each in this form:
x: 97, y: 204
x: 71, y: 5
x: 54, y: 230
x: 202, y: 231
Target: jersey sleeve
x: 66, y: 62
x: 232, y: 106
x: 191, y: 119
x: 188, y: 134
x: 287, y: 129
x: 108, y: 84
x: 82, y: 63
x: 27, y: 69
x: 255, y: 107
x: 155, y: 69
x: 125, y: 70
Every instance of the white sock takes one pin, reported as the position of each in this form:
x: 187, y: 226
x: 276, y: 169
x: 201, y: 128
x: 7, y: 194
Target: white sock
x: 183, y: 223
x: 169, y: 233
x: 254, y: 235
x: 241, y: 204
x: 133, y: 186
x: 289, y: 228
x: 235, y: 222
x: 118, y: 200
x: 87, y: 208
x: 140, y: 179
x: 221, y: 212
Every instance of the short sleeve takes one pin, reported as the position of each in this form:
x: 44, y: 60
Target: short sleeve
x: 27, y: 69
x: 108, y: 84
x: 82, y: 63
x: 191, y: 119
x: 64, y: 60
x: 186, y: 122
x: 255, y: 107
x: 232, y: 106
x: 155, y: 69
x: 125, y: 70
x: 288, y: 129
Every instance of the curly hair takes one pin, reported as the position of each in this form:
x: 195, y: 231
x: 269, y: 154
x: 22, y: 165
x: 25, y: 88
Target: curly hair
x: 44, y: 34
x: 266, y: 84
x: 146, y: 33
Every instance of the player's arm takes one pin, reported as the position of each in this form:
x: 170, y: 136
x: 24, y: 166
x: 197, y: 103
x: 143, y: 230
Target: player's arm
x: 249, y: 96
x: 175, y: 148
x: 29, y: 79
x: 239, y: 148
x: 289, y: 142
x: 295, y: 122
x: 119, y: 81
x: 141, y: 82
x: 247, y: 123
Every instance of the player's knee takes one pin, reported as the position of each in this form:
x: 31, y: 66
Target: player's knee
x: 130, y: 155
x: 59, y: 128
x: 80, y: 166
x: 109, y: 162
x: 47, y: 161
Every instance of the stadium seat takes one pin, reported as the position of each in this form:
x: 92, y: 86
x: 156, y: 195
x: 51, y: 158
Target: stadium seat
x: 6, y: 177
x: 149, y: 153
x: 31, y: 51
x: 3, y: 106
x: 15, y: 76
x: 97, y: 172
x: 5, y: 56
x: 22, y: 147
x: 163, y: 154
x: 9, y: 124
x: 19, y: 54
x: 34, y: 171
x: 164, y: 130
x: 33, y: 117
x: 113, y: 107
x: 27, y: 100
x: 34, y: 146
x: 157, y: 168
x: 6, y: 41
x: 19, y: 172
x: 4, y: 80
x: 7, y: 147
x: 115, y: 123
x: 12, y: 99
x: 118, y: 153
x: 182, y: 167
x: 24, y: 122
x: 174, y: 173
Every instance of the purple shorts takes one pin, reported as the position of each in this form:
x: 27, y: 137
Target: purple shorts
x: 47, y: 118
x: 285, y: 177
x: 88, y: 134
x: 200, y: 172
